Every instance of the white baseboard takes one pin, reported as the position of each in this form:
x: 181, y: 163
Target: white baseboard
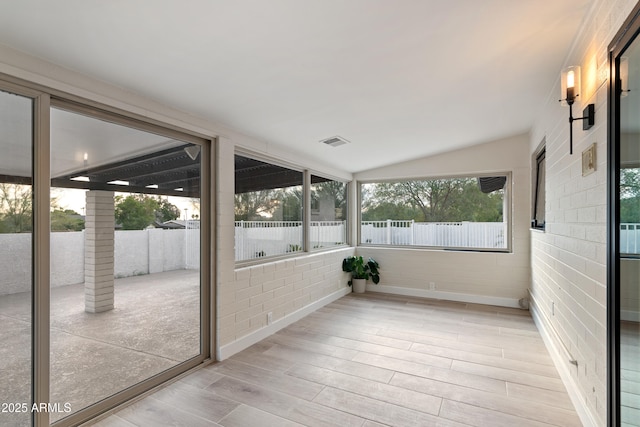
x: 563, y: 366
x: 449, y: 296
x: 630, y: 316
x: 228, y: 350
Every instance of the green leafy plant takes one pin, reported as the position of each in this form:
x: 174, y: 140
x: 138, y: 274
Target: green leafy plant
x: 360, y: 269
x: 294, y: 248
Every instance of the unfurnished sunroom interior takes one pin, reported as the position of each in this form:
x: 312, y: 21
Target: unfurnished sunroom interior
x: 181, y: 181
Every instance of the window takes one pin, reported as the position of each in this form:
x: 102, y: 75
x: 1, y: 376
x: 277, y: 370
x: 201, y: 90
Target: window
x: 538, y: 220
x: 268, y: 209
x: 630, y: 211
x: 458, y: 212
x: 328, y: 213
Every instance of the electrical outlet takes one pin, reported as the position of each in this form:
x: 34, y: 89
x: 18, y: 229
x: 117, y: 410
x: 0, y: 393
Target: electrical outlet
x: 269, y: 318
x: 432, y: 286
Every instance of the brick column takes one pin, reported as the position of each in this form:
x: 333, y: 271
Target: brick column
x: 98, y: 252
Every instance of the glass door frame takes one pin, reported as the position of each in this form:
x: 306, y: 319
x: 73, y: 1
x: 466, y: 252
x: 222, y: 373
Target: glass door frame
x: 43, y: 99
x: 40, y: 267
x: 622, y: 40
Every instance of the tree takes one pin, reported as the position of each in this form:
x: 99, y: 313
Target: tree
x: 630, y: 195
x: 279, y: 204
x: 66, y: 220
x: 166, y: 211
x: 629, y: 183
x: 436, y: 200
x: 255, y: 205
x: 334, y: 191
x: 389, y: 210
x: 138, y: 211
x: 16, y: 202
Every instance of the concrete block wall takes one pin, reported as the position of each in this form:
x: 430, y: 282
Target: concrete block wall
x: 149, y: 251
x: 281, y: 288
x: 569, y: 258
x: 15, y: 256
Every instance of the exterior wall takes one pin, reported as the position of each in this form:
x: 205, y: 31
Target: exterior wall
x: 16, y: 252
x: 287, y: 288
x: 569, y: 258
x: 149, y: 251
x: 136, y: 252
x: 485, y: 277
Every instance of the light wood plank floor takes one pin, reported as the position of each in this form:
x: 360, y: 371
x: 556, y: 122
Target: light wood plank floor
x: 373, y: 360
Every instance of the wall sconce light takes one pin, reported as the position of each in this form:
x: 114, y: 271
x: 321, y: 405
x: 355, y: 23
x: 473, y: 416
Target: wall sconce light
x: 624, y: 76
x: 570, y: 89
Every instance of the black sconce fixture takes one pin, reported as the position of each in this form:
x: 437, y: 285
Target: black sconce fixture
x: 570, y: 88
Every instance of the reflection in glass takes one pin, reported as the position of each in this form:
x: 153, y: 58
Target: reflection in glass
x: 16, y: 225
x: 629, y: 208
x: 125, y: 257
x: 328, y: 212
x: 268, y: 209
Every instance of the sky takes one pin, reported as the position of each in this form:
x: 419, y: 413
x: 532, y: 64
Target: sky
x: 74, y: 199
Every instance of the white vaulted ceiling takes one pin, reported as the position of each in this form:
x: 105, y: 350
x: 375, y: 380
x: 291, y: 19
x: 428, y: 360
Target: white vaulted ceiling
x: 399, y: 79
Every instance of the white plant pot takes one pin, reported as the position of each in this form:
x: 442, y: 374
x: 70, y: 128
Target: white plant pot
x: 359, y: 285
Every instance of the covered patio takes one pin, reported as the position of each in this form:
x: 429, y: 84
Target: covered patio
x: 153, y: 326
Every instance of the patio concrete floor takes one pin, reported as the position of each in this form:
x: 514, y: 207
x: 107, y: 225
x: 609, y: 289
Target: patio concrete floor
x: 154, y: 326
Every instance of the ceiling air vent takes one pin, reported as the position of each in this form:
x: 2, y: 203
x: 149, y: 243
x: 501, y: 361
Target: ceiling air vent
x: 335, y: 141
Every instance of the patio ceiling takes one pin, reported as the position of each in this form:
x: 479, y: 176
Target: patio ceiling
x: 170, y: 172
x: 255, y: 175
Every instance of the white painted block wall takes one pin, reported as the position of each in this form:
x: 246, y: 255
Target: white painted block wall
x: 569, y: 257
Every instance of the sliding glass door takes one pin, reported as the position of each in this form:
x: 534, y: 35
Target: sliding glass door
x: 104, y: 249
x: 16, y: 237
x: 624, y: 228
x: 125, y: 255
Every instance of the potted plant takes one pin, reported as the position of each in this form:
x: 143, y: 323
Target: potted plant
x: 361, y: 271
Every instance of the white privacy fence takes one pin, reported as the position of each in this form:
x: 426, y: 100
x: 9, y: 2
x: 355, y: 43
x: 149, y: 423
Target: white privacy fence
x: 256, y: 239
x: 192, y: 245
x: 136, y: 252
x: 486, y: 235
x: 629, y: 238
